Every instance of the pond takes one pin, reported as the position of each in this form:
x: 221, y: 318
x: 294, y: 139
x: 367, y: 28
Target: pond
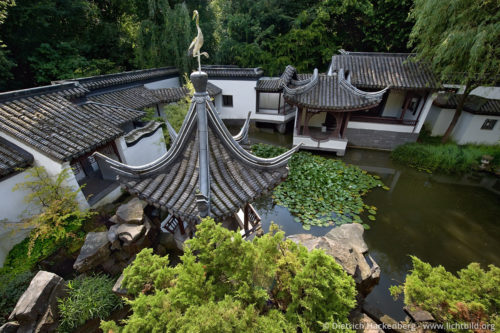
x: 443, y: 220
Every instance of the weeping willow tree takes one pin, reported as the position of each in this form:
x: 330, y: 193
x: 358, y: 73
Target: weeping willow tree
x: 164, y: 36
x: 460, y: 39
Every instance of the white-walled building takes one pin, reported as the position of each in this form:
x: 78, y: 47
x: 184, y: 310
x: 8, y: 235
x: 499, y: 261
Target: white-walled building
x: 60, y: 126
x: 479, y: 122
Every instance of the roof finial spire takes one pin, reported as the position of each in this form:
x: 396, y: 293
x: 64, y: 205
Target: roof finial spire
x: 197, y: 43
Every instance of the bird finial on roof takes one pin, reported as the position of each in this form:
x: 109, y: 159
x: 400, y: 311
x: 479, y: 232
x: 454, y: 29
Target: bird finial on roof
x: 197, y: 43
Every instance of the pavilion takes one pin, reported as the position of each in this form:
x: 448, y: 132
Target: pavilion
x: 205, y: 172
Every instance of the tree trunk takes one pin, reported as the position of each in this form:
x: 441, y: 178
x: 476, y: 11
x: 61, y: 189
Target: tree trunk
x: 458, y: 112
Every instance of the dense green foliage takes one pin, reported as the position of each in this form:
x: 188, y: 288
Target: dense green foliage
x: 56, y: 39
x: 459, y: 39
x: 57, y: 226
x: 12, y: 286
x: 88, y: 297
x: 227, y: 284
x: 473, y: 295
x: 446, y: 158
x: 322, y: 191
x: 273, y: 34
x: 60, y: 213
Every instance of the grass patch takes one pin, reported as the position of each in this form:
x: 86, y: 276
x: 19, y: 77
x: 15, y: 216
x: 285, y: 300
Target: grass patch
x: 89, y: 297
x: 445, y: 158
x: 322, y: 191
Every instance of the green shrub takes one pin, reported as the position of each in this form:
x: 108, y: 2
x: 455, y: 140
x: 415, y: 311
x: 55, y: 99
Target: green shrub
x: 88, y: 297
x: 227, y: 284
x: 12, y: 286
x: 446, y: 158
x: 473, y: 295
x: 322, y: 191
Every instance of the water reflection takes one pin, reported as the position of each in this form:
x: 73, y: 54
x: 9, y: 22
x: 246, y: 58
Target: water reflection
x: 448, y: 221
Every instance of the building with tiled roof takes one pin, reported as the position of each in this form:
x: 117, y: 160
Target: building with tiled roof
x: 479, y: 121
x: 205, y: 173
x: 60, y: 126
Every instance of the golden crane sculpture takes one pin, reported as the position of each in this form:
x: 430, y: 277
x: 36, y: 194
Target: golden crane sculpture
x: 197, y: 43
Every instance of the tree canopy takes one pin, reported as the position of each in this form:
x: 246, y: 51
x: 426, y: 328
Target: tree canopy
x: 56, y: 39
x: 227, y: 284
x: 460, y: 40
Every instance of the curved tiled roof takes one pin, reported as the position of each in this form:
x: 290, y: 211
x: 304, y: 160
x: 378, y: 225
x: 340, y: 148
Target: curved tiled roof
x: 103, y: 81
x: 12, y: 157
x: 379, y: 70
x: 137, y: 134
x: 329, y: 92
x: 59, y: 128
x: 236, y: 177
x: 473, y: 104
x: 269, y: 85
x: 232, y: 71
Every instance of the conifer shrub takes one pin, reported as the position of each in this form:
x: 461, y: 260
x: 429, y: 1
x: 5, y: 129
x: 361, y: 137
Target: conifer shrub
x: 227, y: 284
x: 470, y: 296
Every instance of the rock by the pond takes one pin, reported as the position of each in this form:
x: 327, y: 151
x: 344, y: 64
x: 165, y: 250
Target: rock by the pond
x: 36, y: 310
x: 132, y: 212
x: 418, y: 315
x: 127, y: 233
x: 118, y: 289
x: 347, y: 246
x: 364, y: 324
x: 94, y: 251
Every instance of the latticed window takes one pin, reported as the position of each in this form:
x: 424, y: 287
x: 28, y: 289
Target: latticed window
x: 489, y: 124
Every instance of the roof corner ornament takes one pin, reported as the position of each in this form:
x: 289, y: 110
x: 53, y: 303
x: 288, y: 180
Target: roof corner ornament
x: 197, y: 43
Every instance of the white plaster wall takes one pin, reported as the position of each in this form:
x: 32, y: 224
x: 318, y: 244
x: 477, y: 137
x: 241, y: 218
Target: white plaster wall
x: 167, y: 83
x: 439, y: 119
x: 425, y: 111
x: 468, y: 130
x: 147, y: 150
x: 273, y: 118
x: 12, y: 205
x: 218, y: 102
x: 243, y: 92
x: 52, y: 166
x: 394, y: 104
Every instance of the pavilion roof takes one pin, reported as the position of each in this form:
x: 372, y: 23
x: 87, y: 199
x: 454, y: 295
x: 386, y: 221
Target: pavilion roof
x: 235, y: 176
x: 215, y: 71
x: 327, y: 92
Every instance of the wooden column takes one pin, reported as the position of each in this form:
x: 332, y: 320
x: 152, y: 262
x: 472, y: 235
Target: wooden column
x: 245, y: 217
x: 405, y: 105
x: 257, y: 101
x: 279, y: 103
x: 299, y: 118
x: 347, y: 115
x: 181, y: 226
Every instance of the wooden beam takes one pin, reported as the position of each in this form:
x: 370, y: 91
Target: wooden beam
x: 257, y: 101
x: 406, y: 104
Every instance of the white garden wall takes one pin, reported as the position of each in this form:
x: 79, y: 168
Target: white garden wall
x: 243, y: 92
x: 146, y: 150
x: 167, y: 83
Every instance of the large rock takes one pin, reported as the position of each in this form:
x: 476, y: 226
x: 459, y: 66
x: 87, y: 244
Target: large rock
x: 132, y: 212
x: 364, y: 324
x: 94, y: 251
x: 347, y: 246
x: 36, y: 310
x: 127, y: 233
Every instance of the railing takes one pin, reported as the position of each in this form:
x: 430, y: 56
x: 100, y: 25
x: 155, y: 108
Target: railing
x: 283, y: 110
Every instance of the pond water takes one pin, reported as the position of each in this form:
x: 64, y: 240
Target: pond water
x: 443, y: 220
